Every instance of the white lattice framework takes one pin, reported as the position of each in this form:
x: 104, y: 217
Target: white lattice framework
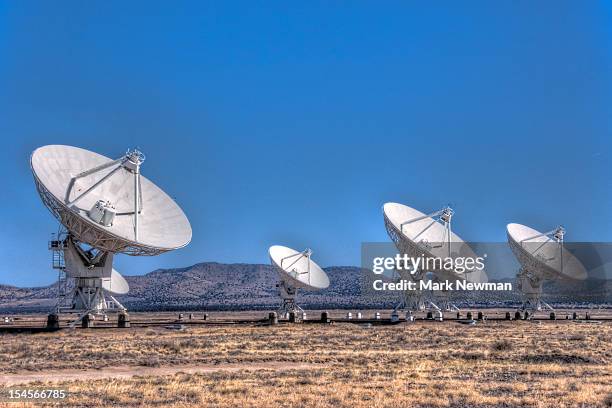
x: 85, y: 231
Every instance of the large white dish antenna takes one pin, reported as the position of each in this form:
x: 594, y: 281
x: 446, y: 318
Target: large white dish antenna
x: 106, y: 207
x: 73, y: 181
x: 417, y: 234
x: 117, y: 285
x: 543, y: 255
x: 297, y: 269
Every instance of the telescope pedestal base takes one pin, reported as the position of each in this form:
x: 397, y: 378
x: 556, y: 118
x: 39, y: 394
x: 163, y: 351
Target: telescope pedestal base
x: 288, y: 305
x: 84, y: 270
x: 414, y: 300
x: 530, y: 286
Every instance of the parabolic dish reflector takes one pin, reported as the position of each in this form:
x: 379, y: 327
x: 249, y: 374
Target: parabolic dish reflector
x: 540, y: 253
x: 161, y: 226
x: 416, y: 234
x: 298, y: 270
x: 117, y: 285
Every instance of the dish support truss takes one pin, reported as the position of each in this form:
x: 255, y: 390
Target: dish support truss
x: 529, y: 280
x: 85, y: 230
x: 288, y: 291
x: 414, y: 300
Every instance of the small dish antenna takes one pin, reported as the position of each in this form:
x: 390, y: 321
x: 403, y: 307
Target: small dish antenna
x: 296, y: 270
x: 542, y: 257
x: 116, y: 285
x: 105, y: 207
x: 417, y: 234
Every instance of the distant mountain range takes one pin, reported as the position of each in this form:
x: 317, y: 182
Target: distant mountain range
x: 216, y: 286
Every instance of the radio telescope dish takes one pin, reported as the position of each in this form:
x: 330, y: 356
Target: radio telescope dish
x: 296, y: 271
x: 105, y: 207
x: 95, y: 198
x: 542, y: 256
x: 417, y: 234
x: 116, y: 284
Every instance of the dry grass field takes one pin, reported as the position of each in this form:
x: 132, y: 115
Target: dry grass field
x: 424, y: 364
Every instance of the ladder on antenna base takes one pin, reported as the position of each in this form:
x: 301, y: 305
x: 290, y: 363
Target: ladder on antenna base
x: 57, y: 245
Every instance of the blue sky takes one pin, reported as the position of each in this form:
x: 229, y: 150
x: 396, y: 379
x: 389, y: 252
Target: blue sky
x: 285, y: 123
